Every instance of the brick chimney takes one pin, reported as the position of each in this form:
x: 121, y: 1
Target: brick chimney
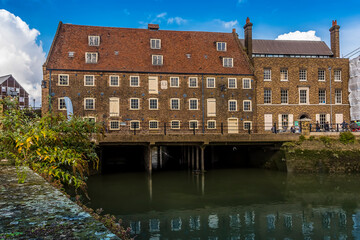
x: 153, y: 26
x: 248, y: 37
x: 335, y: 39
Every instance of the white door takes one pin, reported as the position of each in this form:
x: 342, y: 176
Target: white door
x: 153, y: 85
x: 339, y: 118
x: 233, y: 125
x: 114, y: 107
x: 268, y: 122
x: 211, y: 107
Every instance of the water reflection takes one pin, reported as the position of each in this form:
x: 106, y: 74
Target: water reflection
x: 233, y: 204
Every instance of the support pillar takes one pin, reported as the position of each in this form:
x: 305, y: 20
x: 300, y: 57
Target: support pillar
x: 192, y: 158
x: 160, y: 157
x: 202, y: 158
x: 147, y: 158
x: 197, y: 158
x: 188, y: 156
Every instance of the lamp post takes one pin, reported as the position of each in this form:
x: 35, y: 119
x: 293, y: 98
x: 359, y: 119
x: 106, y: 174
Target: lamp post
x: 330, y: 99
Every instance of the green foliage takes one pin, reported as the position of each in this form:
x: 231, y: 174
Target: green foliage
x: 302, y: 138
x: 326, y: 140
x: 51, y: 145
x: 311, y: 138
x: 347, y: 137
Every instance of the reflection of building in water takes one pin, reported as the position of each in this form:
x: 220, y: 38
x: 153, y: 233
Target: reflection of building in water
x: 135, y: 227
x: 194, y: 223
x: 154, y: 225
x: 176, y: 224
x: 213, y: 221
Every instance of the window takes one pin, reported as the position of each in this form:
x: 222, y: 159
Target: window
x: 338, y: 97
x: 90, y: 119
x: 284, y: 120
x: 221, y: 46
x: 157, y: 60
x: 228, y: 62
x: 175, y: 124
x: 89, y: 80
x: 211, y: 124
x: 322, y: 96
x: 91, y: 57
x: 61, y: 104
x: 322, y: 118
x: 247, y: 125
x: 114, y: 125
x: 134, y: 125
x: 134, y: 103
x: 210, y: 82
x: 114, y: 81
x: 114, y: 107
x: 247, y: 106
x: 193, y: 82
x: 303, y: 96
x: 153, y: 124
x: 267, y: 74
x: 232, y: 83
x: 63, y: 80
x: 321, y: 74
x: 284, y: 74
x: 134, y: 81
x: 153, y: 103
x: 89, y: 103
x: 337, y: 75
x: 302, y: 75
x: 246, y: 83
x: 193, y: 124
x: 267, y: 96
x: 174, y: 82
x: 155, y: 43
x: 94, y: 40
x: 284, y: 96
x: 193, y: 104
x: 175, y: 104
x: 21, y: 99
x: 232, y: 105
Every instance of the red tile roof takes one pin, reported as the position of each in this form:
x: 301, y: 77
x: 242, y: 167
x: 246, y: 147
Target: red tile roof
x: 134, y: 53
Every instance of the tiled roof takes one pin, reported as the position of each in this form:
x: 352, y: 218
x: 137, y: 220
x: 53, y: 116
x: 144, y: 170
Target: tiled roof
x: 4, y: 78
x: 292, y: 47
x: 134, y: 53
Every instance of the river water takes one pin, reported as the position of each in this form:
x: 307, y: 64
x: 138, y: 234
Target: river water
x: 231, y: 204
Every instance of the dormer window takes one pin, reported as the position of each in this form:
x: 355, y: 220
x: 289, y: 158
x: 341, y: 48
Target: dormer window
x: 91, y: 57
x: 228, y: 62
x: 94, y: 40
x: 157, y: 60
x: 221, y: 46
x: 155, y: 43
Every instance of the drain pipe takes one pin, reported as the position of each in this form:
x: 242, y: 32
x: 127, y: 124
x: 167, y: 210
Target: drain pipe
x: 50, y: 91
x: 202, y: 101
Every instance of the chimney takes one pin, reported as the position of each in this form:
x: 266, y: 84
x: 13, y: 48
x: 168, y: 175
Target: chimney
x: 248, y: 37
x: 335, y: 39
x: 153, y: 26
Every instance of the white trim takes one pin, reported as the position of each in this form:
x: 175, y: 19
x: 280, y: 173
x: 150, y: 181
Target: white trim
x: 138, y: 80
x: 197, y: 104
x: 287, y: 75
x: 320, y: 69
x: 229, y: 83
x: 306, y: 75
x: 59, y: 99
x: 228, y: 59
x: 196, y: 82
x: 307, y: 95
x: 178, y: 99
x: 89, y: 117
x: 138, y: 104
x: 175, y: 121
x: 118, y: 80
x: 93, y: 104
x: 243, y: 80
x: 132, y: 122
x: 197, y: 124
x: 112, y: 121
x: 178, y: 81
x: 153, y: 57
x: 247, y: 122
x: 267, y: 79
x: 68, y: 79
x: 96, y: 57
x: 340, y: 75
x: 207, y: 82
x: 93, y: 76
x: 117, y: 100
x: 207, y: 124
x: 98, y: 40
x: 220, y: 50
x: 157, y: 104
x: 261, y: 104
x: 250, y: 105
x: 157, y: 124
x: 155, y: 39
x: 236, y: 105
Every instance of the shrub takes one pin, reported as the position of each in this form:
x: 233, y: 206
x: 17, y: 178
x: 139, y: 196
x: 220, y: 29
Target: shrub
x: 325, y: 140
x: 302, y: 138
x: 311, y: 138
x: 347, y: 137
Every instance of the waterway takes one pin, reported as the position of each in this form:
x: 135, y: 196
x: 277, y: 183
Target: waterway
x: 244, y: 204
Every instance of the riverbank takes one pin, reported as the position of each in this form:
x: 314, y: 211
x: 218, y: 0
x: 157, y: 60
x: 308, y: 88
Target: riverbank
x: 36, y: 210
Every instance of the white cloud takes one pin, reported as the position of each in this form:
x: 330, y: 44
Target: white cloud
x: 309, y: 36
x: 161, y: 15
x: 177, y: 20
x: 20, y: 55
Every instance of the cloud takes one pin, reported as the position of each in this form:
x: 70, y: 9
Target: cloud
x: 126, y: 12
x: 20, y: 55
x: 161, y: 15
x: 177, y: 20
x: 309, y: 36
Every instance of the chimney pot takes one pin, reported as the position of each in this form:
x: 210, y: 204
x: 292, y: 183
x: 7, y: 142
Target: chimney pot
x: 234, y: 30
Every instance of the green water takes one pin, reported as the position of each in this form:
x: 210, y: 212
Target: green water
x: 231, y: 204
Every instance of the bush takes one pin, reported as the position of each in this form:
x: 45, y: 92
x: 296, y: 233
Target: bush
x: 301, y: 138
x: 325, y: 140
x: 311, y: 138
x: 347, y: 137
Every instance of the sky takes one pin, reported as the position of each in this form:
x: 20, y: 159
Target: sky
x: 27, y: 27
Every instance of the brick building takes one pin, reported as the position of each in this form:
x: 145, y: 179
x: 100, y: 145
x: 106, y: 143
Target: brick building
x: 297, y: 80
x: 10, y: 87
x: 151, y: 79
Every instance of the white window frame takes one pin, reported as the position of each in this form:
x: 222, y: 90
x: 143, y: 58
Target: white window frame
x: 130, y: 107
x: 243, y: 83
x: 134, y: 121
x: 302, y: 73
x: 228, y: 62
x: 96, y: 42
x: 157, y: 60
x: 178, y: 82
x: 93, y: 80
x: 336, y: 96
x: 324, y: 95
x: 229, y: 105
x: 194, y: 121
x: 335, y: 76
x: 268, y: 89
x: 197, y: 103
x: 118, y: 80
x: 235, y: 83
x: 249, y: 101
x: 138, y: 81
x: 287, y: 96
x: 211, y: 121
x: 171, y: 124
x: 114, y: 121
x: 85, y: 107
x: 157, y: 104
x: 221, y: 46
x: 284, y: 72
x: 245, y: 122
x: 267, y: 74
x: 157, y: 124
x: 196, y: 81
x: 175, y: 99
x: 323, y: 75
x: 92, y: 54
x: 307, y: 95
x: 155, y: 41
x: 59, y: 104
x: 89, y: 118
x: 208, y: 82
x: 59, y: 79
